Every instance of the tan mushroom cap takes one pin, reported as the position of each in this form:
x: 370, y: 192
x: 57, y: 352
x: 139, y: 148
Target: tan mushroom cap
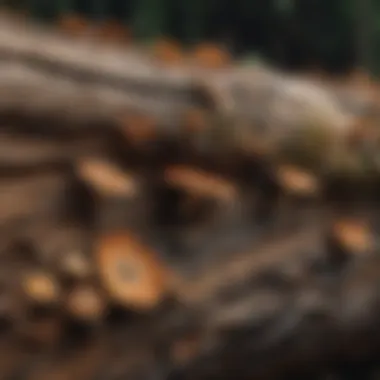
x: 168, y: 52
x: 199, y: 183
x: 211, y: 56
x: 76, y: 265
x: 130, y: 272
x: 73, y: 24
x: 85, y: 303
x: 106, y: 178
x: 296, y: 181
x: 40, y: 287
x: 353, y: 234
x: 114, y: 31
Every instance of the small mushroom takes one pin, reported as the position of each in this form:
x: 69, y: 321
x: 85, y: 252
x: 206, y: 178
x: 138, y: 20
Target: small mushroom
x: 112, y: 31
x: 296, y: 181
x: 85, y: 303
x: 168, y: 53
x: 352, y: 234
x: 41, y: 288
x: 210, y: 56
x: 130, y: 272
x: 106, y: 179
x: 201, y: 184
x: 73, y: 25
x: 75, y: 265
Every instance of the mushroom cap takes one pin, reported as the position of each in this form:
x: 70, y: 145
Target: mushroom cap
x: 85, y: 303
x: 354, y: 234
x: 41, y: 288
x: 129, y: 271
x: 199, y: 183
x: 211, y: 56
x: 106, y: 178
x: 296, y: 181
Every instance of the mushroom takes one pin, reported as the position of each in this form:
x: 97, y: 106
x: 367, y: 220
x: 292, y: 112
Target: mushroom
x: 85, y: 303
x: 130, y: 272
x: 40, y: 288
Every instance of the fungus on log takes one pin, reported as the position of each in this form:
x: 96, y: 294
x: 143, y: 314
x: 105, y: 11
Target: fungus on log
x: 296, y: 181
x: 130, y: 272
x: 198, y: 183
x: 85, y: 303
x: 41, y: 288
x: 354, y: 235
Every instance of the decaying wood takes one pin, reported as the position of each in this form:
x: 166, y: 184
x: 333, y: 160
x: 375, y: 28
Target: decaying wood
x: 107, y: 161
x: 80, y: 79
x: 18, y: 151
x: 39, y: 196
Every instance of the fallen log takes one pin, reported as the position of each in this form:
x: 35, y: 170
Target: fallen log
x: 84, y: 81
x: 279, y: 281
x: 39, y: 196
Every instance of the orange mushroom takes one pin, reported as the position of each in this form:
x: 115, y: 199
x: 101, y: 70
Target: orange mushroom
x: 200, y: 183
x: 296, y: 181
x: 85, y: 303
x: 353, y: 234
x: 105, y: 178
x: 168, y: 52
x: 210, y: 56
x: 73, y: 24
x: 130, y: 272
x: 113, y: 31
x: 41, y: 288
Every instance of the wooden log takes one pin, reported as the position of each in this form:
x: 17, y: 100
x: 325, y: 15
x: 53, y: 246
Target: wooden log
x: 37, y: 196
x: 12, y: 355
x: 123, y: 79
x: 80, y: 362
x: 40, y: 332
x: 22, y: 151
x: 272, y: 325
x: 273, y: 254
x: 62, y: 248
